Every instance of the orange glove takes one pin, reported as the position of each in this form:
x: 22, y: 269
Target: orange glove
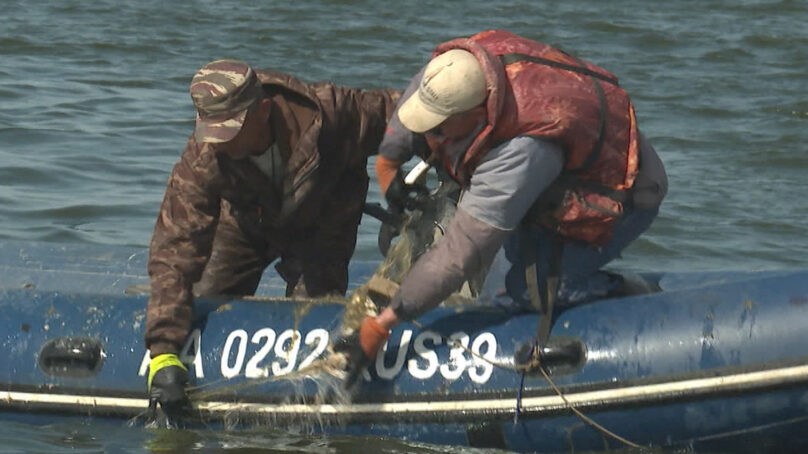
x: 372, y: 336
x: 361, y: 348
x: 386, y: 170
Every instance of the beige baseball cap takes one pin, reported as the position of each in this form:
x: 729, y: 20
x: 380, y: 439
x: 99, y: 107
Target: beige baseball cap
x: 453, y: 82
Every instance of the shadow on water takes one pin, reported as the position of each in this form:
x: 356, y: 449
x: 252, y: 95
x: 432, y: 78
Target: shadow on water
x: 110, y: 437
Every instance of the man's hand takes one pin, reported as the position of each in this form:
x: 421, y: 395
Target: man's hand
x: 168, y: 378
x: 361, y: 348
x: 398, y: 198
x: 401, y: 196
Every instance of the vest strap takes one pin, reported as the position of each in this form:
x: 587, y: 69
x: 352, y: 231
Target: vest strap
x: 595, y: 153
x: 543, y: 303
x: 508, y: 59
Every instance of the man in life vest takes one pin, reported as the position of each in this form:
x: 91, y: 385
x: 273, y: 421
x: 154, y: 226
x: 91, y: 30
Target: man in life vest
x: 553, y: 168
x: 276, y: 169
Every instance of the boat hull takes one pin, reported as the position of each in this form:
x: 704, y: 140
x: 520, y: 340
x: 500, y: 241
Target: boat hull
x: 715, y: 360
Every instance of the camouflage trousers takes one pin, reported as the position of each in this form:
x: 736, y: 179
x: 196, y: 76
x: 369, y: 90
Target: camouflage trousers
x: 242, y: 252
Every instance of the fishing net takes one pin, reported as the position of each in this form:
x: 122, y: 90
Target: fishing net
x: 422, y: 228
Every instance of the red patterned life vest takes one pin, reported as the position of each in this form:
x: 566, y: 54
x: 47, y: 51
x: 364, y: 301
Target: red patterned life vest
x: 534, y: 89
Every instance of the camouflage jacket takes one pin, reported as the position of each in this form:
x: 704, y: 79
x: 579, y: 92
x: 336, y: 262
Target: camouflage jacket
x: 327, y: 133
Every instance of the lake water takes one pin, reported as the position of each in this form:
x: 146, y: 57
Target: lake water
x: 94, y: 111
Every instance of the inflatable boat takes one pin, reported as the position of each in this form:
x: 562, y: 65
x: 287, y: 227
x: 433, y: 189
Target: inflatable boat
x: 714, y: 361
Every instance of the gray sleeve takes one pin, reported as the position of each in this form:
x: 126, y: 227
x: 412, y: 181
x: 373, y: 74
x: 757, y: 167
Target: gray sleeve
x: 399, y: 143
x: 510, y: 178
x: 503, y: 187
x: 469, y: 245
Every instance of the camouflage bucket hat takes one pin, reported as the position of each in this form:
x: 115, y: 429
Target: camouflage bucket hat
x: 222, y: 92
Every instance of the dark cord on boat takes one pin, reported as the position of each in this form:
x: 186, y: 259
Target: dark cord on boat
x: 524, y: 370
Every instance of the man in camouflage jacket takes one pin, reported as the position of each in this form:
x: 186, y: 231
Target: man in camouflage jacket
x: 275, y: 169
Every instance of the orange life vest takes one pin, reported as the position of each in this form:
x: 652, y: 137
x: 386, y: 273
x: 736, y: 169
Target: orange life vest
x: 534, y: 89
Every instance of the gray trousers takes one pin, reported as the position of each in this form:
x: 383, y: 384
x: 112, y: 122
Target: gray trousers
x: 581, y: 277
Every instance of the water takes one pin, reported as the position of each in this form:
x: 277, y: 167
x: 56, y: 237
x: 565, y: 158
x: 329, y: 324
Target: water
x: 94, y: 111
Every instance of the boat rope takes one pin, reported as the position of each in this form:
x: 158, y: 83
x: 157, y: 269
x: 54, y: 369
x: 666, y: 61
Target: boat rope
x: 585, y: 418
x: 524, y: 369
x: 331, y: 299
x: 518, y: 410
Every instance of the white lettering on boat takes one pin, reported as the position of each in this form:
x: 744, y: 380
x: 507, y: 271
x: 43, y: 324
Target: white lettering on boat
x: 190, y: 352
x: 288, y: 355
x: 457, y: 363
x: 483, y: 366
x: 229, y: 371
x: 320, y: 336
x: 253, y: 371
x: 401, y: 354
x: 190, y: 355
x: 429, y: 355
x: 268, y: 353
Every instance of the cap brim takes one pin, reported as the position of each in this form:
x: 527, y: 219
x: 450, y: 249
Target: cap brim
x: 218, y: 130
x: 417, y: 117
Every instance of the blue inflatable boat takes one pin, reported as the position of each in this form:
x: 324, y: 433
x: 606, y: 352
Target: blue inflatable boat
x: 714, y: 361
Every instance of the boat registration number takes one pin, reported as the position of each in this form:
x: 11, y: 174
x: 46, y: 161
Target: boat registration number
x: 267, y: 352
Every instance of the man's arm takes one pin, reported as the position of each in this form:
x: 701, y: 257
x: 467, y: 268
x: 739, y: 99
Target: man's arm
x: 399, y: 144
x: 504, y: 186
x: 180, y: 247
